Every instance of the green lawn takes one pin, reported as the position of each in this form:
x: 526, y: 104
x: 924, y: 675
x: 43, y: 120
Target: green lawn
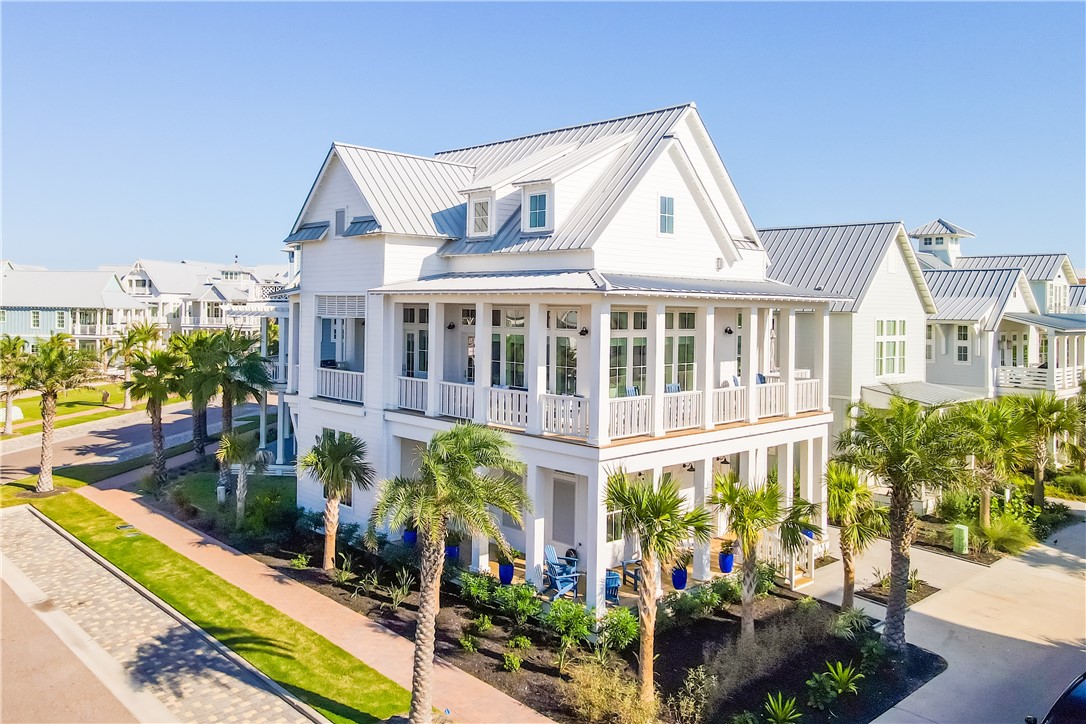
x: 200, y: 488
x: 8, y: 491
x: 323, y: 675
x: 69, y: 402
x: 102, y: 414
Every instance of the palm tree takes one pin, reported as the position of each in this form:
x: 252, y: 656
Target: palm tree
x: 241, y: 449
x: 57, y: 366
x: 238, y: 371
x: 467, y: 477
x: 122, y: 351
x: 13, y: 357
x: 156, y: 375
x: 1044, y: 417
x: 338, y: 462
x: 909, y: 447
x: 201, y: 382
x: 861, y: 521
x: 751, y: 511
x: 662, y: 528
x: 999, y: 445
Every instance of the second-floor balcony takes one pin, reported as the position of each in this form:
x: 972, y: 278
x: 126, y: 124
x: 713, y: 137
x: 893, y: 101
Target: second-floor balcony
x: 341, y: 385
x: 1037, y: 377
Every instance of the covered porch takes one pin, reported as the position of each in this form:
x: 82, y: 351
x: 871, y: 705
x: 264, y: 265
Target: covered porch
x: 1041, y: 352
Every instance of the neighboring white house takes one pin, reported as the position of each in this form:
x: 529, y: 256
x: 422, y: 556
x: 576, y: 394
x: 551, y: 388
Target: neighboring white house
x: 877, y: 337
x: 1076, y: 299
x: 597, y: 291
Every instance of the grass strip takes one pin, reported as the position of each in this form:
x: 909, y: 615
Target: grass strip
x: 72, y: 401
x: 318, y: 672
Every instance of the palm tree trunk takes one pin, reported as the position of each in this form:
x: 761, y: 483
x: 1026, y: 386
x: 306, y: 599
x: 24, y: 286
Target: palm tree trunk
x: 158, y: 443
x: 1040, y: 462
x: 985, y: 505
x: 893, y: 634
x: 199, y: 444
x: 227, y: 427
x: 646, y: 609
x: 750, y: 588
x: 422, y: 674
x: 847, y: 594
x: 331, y: 527
x: 9, y: 410
x: 243, y: 489
x: 127, y: 405
x: 48, y: 417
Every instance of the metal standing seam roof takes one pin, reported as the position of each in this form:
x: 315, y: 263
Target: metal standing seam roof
x: 1036, y: 267
x: 941, y: 227
x: 926, y: 393
x: 308, y: 232
x: 361, y: 225
x: 930, y: 261
x: 840, y: 259
x: 974, y: 294
x: 1056, y: 322
x: 64, y: 290
x: 1077, y: 296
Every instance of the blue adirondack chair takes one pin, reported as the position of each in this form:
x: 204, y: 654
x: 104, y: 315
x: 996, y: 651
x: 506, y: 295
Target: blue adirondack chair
x: 672, y: 387
x: 632, y: 391
x: 561, y: 573
x: 759, y: 378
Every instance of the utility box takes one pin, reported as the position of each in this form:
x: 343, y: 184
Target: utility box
x: 961, y: 539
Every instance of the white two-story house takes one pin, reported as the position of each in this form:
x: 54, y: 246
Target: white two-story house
x: 598, y: 291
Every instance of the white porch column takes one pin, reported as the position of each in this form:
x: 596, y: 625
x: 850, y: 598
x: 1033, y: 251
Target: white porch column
x: 765, y: 342
x: 821, y: 457
x: 284, y: 340
x: 706, y: 375
x: 786, y: 353
x: 703, y: 490
x: 263, y: 419
x: 480, y: 554
x: 534, y: 535
x: 822, y: 354
x: 599, y: 340
x: 435, y: 372
x: 281, y: 423
x: 1053, y: 357
x: 263, y: 336
x: 786, y: 471
x: 596, y: 555
x: 482, y: 361
x: 536, y: 366
x: 655, y: 362
x: 751, y: 355
x: 806, y: 470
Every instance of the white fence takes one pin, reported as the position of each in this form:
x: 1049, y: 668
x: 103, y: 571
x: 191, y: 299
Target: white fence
x: 808, y: 395
x: 508, y: 407
x: 790, y: 565
x: 456, y: 400
x: 682, y: 410
x: 631, y: 416
x: 340, y: 384
x: 565, y: 415
x: 729, y: 405
x: 412, y: 393
x: 1037, y: 379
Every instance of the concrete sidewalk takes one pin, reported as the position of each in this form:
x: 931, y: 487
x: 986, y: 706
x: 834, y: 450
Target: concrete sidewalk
x: 468, y: 699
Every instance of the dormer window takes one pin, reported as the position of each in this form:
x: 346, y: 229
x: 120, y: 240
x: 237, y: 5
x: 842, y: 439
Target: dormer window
x: 480, y: 222
x: 667, y: 214
x: 537, y: 211
x: 927, y: 241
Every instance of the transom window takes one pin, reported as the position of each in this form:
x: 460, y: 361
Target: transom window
x: 480, y: 217
x: 667, y: 214
x: 537, y: 211
x: 890, y: 347
x: 963, y: 343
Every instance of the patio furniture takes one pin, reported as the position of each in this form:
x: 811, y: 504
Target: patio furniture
x: 632, y: 391
x: 631, y: 572
x: 672, y: 387
x: 759, y: 378
x: 610, y: 586
x: 561, y: 572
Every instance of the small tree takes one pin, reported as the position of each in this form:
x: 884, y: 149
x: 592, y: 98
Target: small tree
x: 338, y: 462
x: 657, y: 521
x: 57, y: 366
x: 200, y: 380
x: 156, y: 375
x: 1044, y: 417
x: 852, y: 507
x: 241, y: 449
x: 13, y: 359
x: 750, y: 513
x: 123, y: 350
x: 999, y: 444
x: 238, y: 372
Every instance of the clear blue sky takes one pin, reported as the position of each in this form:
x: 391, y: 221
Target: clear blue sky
x: 195, y: 130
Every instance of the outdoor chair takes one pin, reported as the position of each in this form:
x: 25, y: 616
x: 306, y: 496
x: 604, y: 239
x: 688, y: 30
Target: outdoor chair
x: 672, y: 387
x: 632, y: 391
x: 631, y: 572
x: 759, y: 378
x: 561, y: 573
x: 610, y: 588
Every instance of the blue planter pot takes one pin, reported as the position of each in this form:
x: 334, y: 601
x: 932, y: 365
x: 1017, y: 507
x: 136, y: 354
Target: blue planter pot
x: 727, y: 562
x: 452, y: 552
x: 410, y: 537
x: 505, y: 573
x: 678, y: 578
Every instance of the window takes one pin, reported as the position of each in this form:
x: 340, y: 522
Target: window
x: 467, y: 317
x: 416, y: 341
x: 35, y: 319
x: 537, y: 211
x: 508, y: 352
x: 890, y: 347
x: 617, y: 385
x: 231, y: 276
x: 3, y: 316
x: 614, y: 525
x: 62, y: 319
x: 927, y: 241
x: 667, y: 214
x: 929, y: 352
x: 938, y: 241
x: 565, y: 366
x: 1044, y: 349
x: 480, y: 217
x: 963, y: 343
x: 341, y: 221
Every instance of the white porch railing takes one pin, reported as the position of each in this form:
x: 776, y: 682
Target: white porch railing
x: 276, y: 372
x: 631, y: 416
x: 808, y: 395
x: 456, y: 400
x: 508, y: 408
x: 790, y: 566
x: 565, y: 415
x: 1036, y: 378
x: 770, y: 399
x: 682, y: 410
x: 729, y: 405
x: 342, y: 385
x: 412, y: 393
x: 96, y: 330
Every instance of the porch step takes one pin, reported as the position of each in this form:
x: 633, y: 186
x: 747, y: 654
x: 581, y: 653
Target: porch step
x: 803, y: 582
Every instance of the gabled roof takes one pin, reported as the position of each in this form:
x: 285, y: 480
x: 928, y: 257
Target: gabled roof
x: 841, y: 259
x: 1077, y: 297
x: 941, y: 227
x: 177, y: 277
x: 64, y: 290
x: 928, y: 260
x: 976, y: 295
x: 1037, y: 267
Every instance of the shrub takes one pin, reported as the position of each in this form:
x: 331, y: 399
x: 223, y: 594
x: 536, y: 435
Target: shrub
x: 598, y: 693
x: 843, y: 679
x: 397, y: 556
x: 706, y: 601
x: 780, y: 710
x: 510, y: 662
x: 958, y: 505
x: 399, y: 591
x: 342, y: 577
x: 745, y: 717
x: 482, y: 623
x: 300, y: 561
x: 728, y: 588
x: 767, y: 573
x: 850, y: 622
x: 688, y: 705
x: 617, y: 629
x: 477, y: 588
x: 182, y: 503
x: 1006, y: 534
x: 882, y: 580
x: 518, y: 602
x: 519, y: 642
x: 1052, y: 517
x: 366, y: 582
x: 1071, y: 482
x: 807, y: 603
x: 469, y: 643
x: 872, y: 654
x: 820, y: 691
x: 571, y: 623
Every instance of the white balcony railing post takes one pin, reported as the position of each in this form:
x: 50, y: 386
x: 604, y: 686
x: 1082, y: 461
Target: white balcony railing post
x: 729, y: 405
x: 457, y: 400
x: 565, y: 415
x: 343, y: 385
x: 630, y: 416
x: 412, y: 393
x: 682, y: 410
x: 508, y: 408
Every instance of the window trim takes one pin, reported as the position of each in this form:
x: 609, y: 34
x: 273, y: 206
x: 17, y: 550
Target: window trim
x: 472, y: 203
x: 35, y: 319
x: 960, y: 344
x: 887, y: 340
x: 661, y: 214
x: 527, y: 192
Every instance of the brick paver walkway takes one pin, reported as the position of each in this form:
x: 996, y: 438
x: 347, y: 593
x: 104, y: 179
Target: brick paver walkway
x: 195, y: 681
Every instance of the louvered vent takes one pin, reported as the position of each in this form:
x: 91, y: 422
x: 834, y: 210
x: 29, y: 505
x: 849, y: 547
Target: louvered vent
x: 341, y: 305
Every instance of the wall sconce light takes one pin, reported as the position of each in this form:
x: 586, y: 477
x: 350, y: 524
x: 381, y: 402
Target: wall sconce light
x: 688, y: 467
x: 583, y: 332
x: 641, y: 475
x: 723, y: 460
x: 451, y: 325
x: 729, y: 330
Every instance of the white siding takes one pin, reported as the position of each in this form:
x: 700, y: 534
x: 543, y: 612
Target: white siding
x: 407, y: 259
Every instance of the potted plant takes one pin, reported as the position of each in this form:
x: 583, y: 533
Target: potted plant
x: 410, y: 534
x: 679, y: 572
x: 505, y: 565
x: 727, y: 558
x: 452, y: 546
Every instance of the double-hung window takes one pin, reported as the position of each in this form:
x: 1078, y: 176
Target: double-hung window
x: 480, y: 217
x: 962, y: 351
x: 537, y: 211
x: 667, y: 214
x: 890, y: 347
x: 35, y: 319
x: 62, y: 319
x: 929, y: 351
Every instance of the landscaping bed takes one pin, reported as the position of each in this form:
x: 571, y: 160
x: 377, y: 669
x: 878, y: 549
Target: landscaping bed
x: 880, y: 594
x: 938, y: 536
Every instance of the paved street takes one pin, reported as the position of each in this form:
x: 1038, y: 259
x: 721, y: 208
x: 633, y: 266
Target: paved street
x: 186, y: 672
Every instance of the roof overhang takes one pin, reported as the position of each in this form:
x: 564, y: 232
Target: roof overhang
x: 1060, y: 323
x: 926, y: 393
x: 308, y: 232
